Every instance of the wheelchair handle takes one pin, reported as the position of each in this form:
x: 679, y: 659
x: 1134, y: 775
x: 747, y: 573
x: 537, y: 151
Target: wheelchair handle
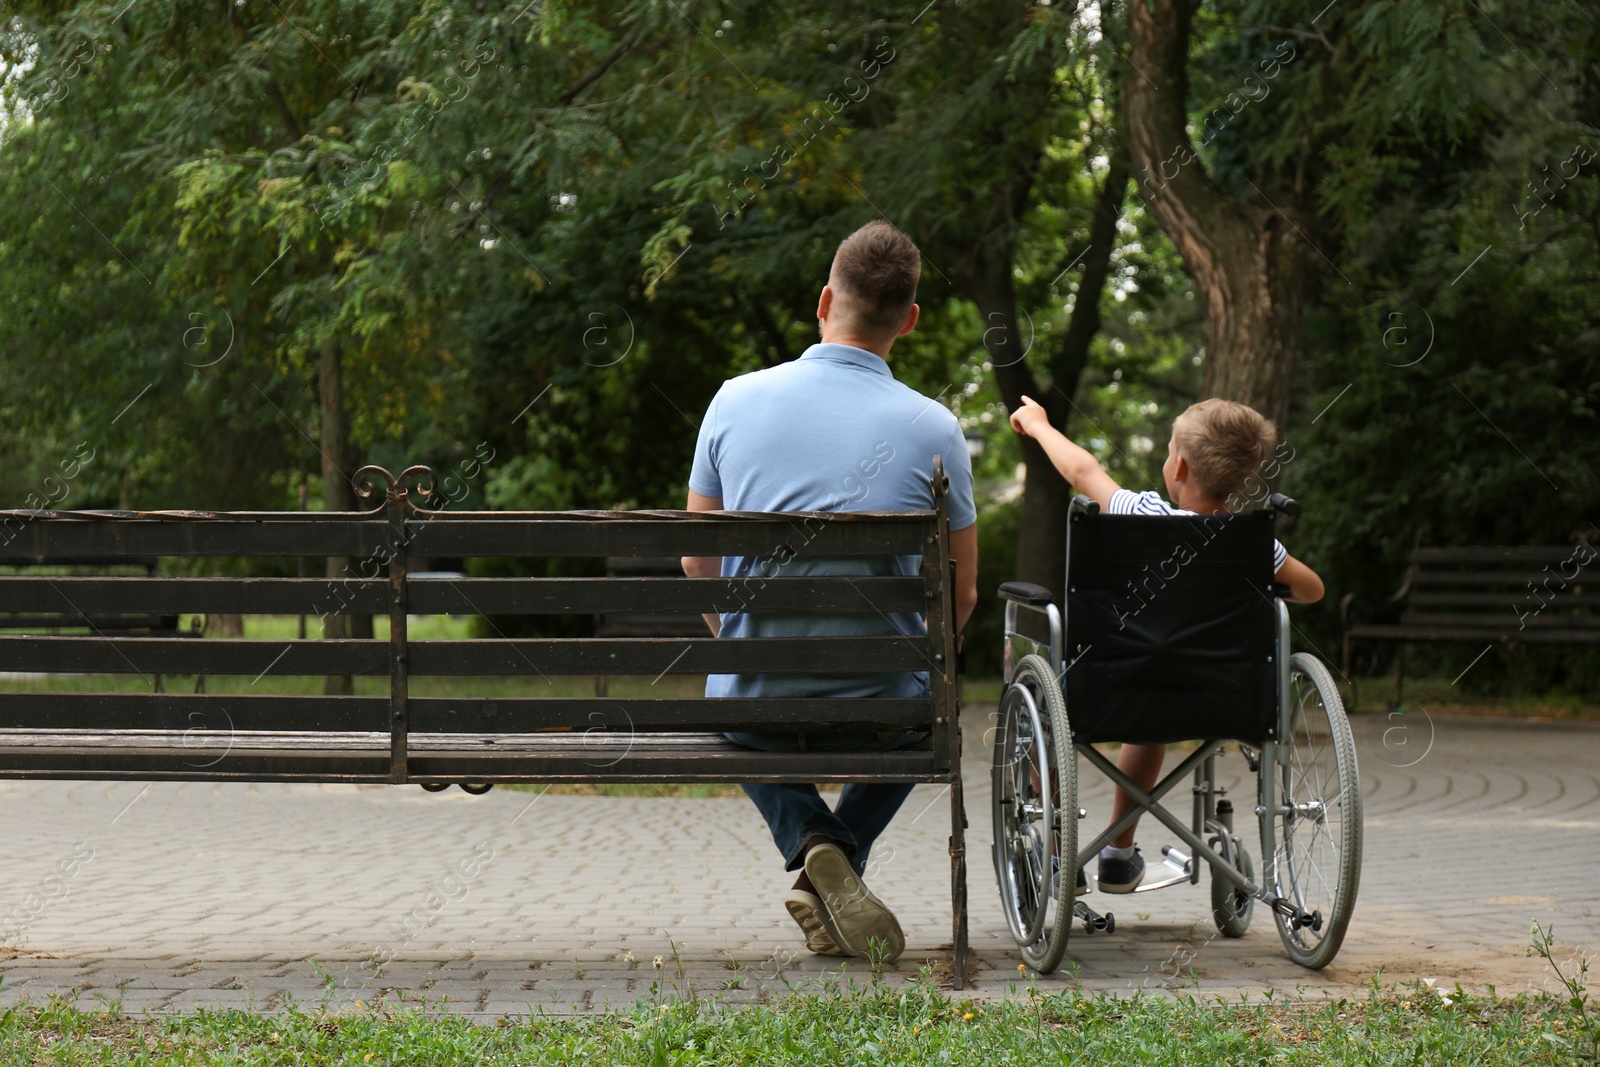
x: 1287, y: 505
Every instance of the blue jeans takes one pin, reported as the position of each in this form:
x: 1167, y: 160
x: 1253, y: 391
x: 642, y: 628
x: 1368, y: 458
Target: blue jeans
x: 797, y: 813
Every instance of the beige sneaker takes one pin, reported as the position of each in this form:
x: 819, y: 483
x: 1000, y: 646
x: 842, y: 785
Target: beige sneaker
x: 807, y: 910
x: 857, y: 917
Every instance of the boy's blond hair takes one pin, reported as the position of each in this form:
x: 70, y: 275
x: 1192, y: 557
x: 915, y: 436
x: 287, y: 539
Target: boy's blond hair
x: 1225, y: 443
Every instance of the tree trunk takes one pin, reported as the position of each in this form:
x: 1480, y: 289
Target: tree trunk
x: 224, y: 626
x: 338, y: 494
x: 1252, y: 264
x: 1042, y: 539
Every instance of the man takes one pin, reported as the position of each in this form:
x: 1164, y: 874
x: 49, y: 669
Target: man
x: 834, y: 431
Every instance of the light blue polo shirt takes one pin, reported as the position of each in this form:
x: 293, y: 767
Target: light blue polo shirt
x: 830, y: 431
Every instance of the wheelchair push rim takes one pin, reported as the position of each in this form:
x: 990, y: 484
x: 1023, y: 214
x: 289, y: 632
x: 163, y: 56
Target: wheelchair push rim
x: 1035, y: 814
x: 1312, y: 834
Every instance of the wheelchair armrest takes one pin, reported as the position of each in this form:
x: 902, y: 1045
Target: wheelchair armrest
x: 1281, y: 591
x: 1027, y: 593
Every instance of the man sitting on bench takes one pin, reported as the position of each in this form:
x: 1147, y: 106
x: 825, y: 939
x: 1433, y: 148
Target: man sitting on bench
x: 834, y: 431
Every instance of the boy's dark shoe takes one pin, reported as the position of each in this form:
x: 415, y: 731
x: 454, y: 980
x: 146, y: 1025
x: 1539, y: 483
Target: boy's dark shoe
x: 1083, y: 876
x: 1121, y: 876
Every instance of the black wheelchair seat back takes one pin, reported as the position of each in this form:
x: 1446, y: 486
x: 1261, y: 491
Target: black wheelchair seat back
x: 1170, y: 628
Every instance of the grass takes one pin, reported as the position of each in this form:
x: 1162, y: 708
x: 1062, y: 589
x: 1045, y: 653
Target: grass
x: 914, y: 1025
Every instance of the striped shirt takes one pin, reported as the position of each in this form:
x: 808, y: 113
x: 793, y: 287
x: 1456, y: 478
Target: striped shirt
x: 1127, y: 502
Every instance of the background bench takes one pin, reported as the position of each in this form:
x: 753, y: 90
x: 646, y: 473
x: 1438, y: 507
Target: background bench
x: 395, y: 737
x: 1507, y: 596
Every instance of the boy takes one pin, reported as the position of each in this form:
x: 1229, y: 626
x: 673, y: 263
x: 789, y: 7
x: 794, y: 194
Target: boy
x: 1217, y: 446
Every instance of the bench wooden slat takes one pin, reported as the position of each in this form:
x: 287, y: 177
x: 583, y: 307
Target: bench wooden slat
x: 1471, y: 554
x: 654, y: 656
x: 42, y: 540
x: 1519, y: 578
x: 46, y: 540
x: 177, y: 655
x: 81, y: 754
x: 1553, y: 600
x: 1550, y: 619
x: 72, y: 621
x: 458, y: 596
x: 1474, y: 635
x: 534, y: 596
x: 484, y: 656
x: 308, y: 713
x: 766, y: 538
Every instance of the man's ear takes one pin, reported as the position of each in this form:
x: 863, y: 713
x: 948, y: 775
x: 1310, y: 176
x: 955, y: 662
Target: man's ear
x: 911, y: 321
x: 825, y: 302
x: 1180, y: 469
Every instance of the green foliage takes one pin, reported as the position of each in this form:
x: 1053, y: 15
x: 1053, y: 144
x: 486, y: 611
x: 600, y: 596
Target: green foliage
x: 1459, y: 352
x: 553, y: 231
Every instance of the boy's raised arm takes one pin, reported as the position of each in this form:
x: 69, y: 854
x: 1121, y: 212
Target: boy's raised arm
x: 1305, y: 587
x: 1075, y: 464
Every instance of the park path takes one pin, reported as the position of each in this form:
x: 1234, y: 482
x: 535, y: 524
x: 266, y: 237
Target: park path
x: 174, y: 896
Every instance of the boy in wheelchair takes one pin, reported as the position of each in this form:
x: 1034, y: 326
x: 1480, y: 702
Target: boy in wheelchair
x: 1216, y: 447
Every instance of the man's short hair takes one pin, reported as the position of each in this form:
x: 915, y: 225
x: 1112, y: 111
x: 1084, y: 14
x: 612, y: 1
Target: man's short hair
x: 1225, y: 443
x: 875, y: 273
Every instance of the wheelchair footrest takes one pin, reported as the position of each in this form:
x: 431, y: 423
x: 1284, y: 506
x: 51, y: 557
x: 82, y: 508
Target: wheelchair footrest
x: 1176, y: 866
x: 1093, y: 921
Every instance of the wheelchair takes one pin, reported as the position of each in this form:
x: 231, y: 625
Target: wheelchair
x: 1172, y: 629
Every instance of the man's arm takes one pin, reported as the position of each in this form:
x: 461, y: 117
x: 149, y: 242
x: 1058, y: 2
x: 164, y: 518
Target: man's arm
x: 964, y: 551
x: 1075, y: 464
x: 705, y: 566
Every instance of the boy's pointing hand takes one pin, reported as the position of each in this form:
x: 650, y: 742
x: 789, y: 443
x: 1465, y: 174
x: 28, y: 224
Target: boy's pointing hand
x: 1029, y: 418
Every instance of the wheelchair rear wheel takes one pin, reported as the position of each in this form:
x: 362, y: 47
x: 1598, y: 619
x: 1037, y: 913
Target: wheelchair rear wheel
x: 1036, y: 814
x: 1313, y: 844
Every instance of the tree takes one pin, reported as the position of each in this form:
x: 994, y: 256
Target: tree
x: 1249, y: 259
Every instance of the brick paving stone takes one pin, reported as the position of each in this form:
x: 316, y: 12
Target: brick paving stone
x: 230, y: 895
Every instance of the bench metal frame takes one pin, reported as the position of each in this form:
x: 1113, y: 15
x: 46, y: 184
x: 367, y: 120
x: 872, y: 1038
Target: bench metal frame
x: 1506, y: 596
x: 398, y: 738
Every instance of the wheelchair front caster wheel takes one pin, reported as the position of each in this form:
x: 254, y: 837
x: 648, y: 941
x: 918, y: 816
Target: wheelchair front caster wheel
x: 436, y: 787
x: 1231, y: 907
x: 1100, y: 924
x: 477, y: 789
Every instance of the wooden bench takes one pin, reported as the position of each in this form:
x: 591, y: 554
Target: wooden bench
x: 397, y: 738
x: 1508, y: 596
x: 69, y: 616
x: 644, y: 623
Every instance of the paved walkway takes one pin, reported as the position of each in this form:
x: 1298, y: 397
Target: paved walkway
x: 253, y: 896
